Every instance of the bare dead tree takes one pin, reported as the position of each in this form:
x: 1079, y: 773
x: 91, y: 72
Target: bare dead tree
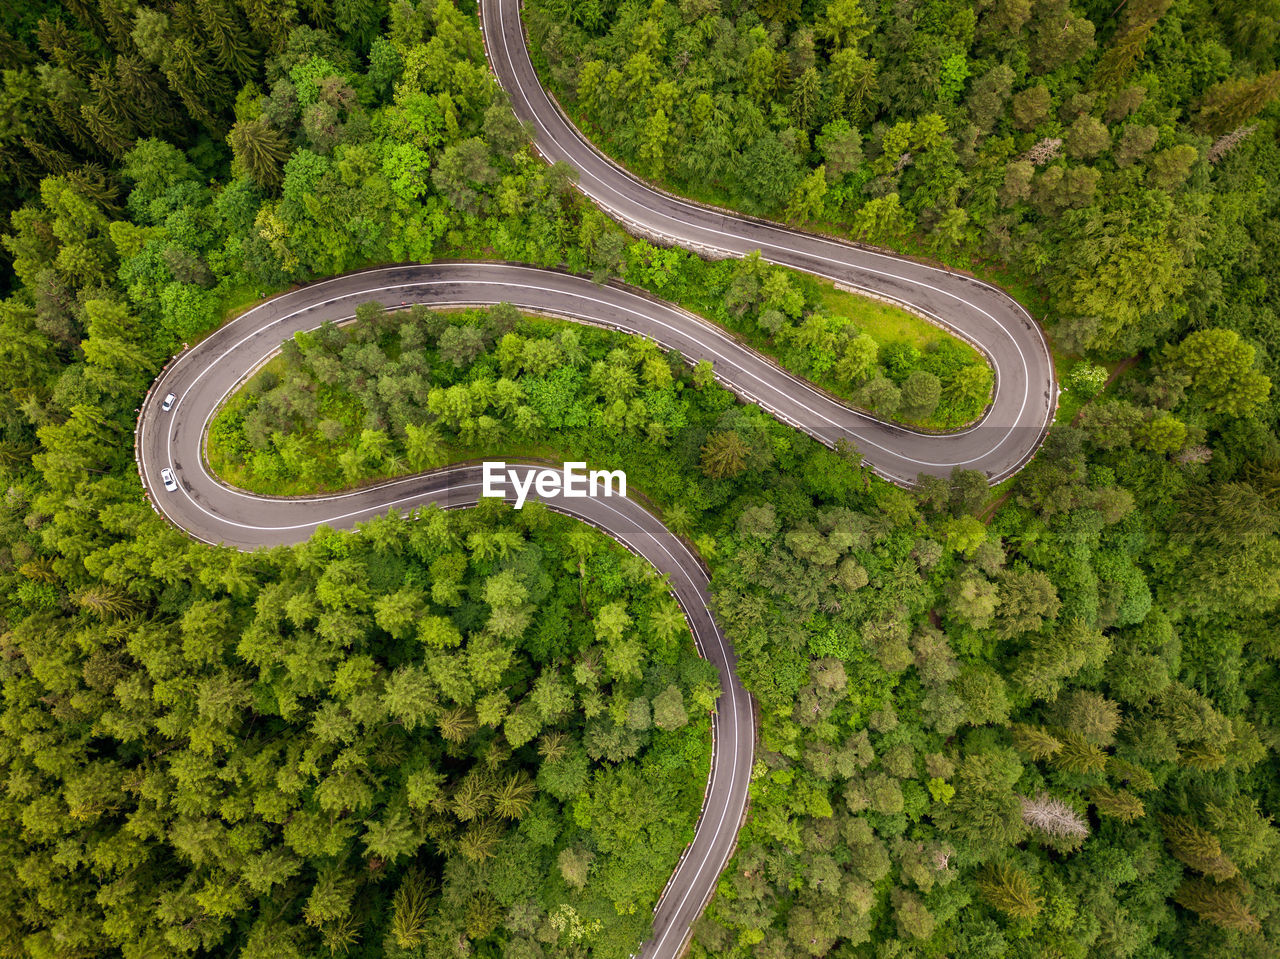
x: 1228, y: 142
x: 1047, y: 149
x: 1053, y: 816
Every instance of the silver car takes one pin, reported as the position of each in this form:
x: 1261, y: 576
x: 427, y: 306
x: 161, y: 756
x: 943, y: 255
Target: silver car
x: 166, y: 476
x: 167, y: 405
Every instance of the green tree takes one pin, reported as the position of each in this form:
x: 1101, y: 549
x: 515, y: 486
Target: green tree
x: 259, y: 151
x: 668, y: 709
x: 724, y: 455
x: 844, y: 24
x: 1221, y: 368
x: 1010, y: 890
x: 921, y: 392
x: 1197, y: 847
x: 1219, y: 903
x: 882, y: 220
x: 808, y: 202
x: 1228, y: 104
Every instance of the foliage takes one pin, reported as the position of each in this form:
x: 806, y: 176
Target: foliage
x: 487, y: 731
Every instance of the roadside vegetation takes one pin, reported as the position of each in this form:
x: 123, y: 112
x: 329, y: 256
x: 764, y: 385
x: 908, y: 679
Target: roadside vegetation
x: 484, y: 733
x: 871, y: 354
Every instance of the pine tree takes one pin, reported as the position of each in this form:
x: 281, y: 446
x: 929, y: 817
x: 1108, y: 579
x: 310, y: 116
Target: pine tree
x: 149, y: 101
x: 39, y: 569
x: 195, y: 79
x: 512, y: 798
x: 1092, y: 715
x: 319, y: 12
x: 13, y: 52
x: 109, y: 133
x: 1122, y: 55
x: 340, y: 934
x: 1196, y: 847
x: 272, y: 19
x: 1230, y: 103
x: 117, y: 17
x: 230, y: 39
x: 88, y: 17
x: 110, y: 98
x: 480, y: 841
x: 93, y: 183
x: 1229, y: 514
x: 259, y: 150
x: 724, y: 455
x: 1035, y: 741
x: 844, y: 24
x: 806, y: 98
x: 854, y: 83
x: 1202, y: 755
x: 457, y: 724
x: 106, y: 602
x: 482, y: 916
x: 65, y: 92
x: 49, y: 159
x: 1245, y: 831
x: 411, y: 910
x: 1078, y: 755
x: 1010, y: 890
x: 59, y: 43
x: 1219, y: 903
x: 1117, y: 803
x: 553, y: 746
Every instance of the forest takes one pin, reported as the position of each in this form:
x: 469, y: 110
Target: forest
x: 1034, y: 721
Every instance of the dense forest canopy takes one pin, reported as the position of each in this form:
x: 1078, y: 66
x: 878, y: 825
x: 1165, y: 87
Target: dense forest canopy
x: 1120, y: 157
x: 1030, y: 724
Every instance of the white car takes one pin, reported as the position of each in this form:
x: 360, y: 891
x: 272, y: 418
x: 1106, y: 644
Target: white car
x: 166, y: 476
x: 167, y: 405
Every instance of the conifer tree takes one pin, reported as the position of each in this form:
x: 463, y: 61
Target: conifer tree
x: 259, y: 150
x: 1219, y: 903
x: 1010, y: 890
x: 1035, y: 741
x: 724, y: 455
x: 1196, y: 847
x: 1078, y: 755
x: 1231, y: 103
x: 1117, y: 803
x: 1053, y: 817
x: 229, y: 38
x: 411, y: 910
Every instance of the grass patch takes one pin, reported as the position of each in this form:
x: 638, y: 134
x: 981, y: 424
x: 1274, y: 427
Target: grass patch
x: 887, y: 323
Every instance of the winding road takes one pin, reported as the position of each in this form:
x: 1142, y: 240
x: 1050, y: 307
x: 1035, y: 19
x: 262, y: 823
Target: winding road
x: 1025, y: 392
x: 1000, y: 444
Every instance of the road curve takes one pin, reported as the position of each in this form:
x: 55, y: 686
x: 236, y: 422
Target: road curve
x: 1025, y: 390
x: 203, y: 376
x: 998, y: 446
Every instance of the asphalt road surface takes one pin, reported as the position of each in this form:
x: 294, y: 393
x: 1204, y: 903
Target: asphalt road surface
x: 999, y: 445
x: 1025, y: 392
x: 202, y: 377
